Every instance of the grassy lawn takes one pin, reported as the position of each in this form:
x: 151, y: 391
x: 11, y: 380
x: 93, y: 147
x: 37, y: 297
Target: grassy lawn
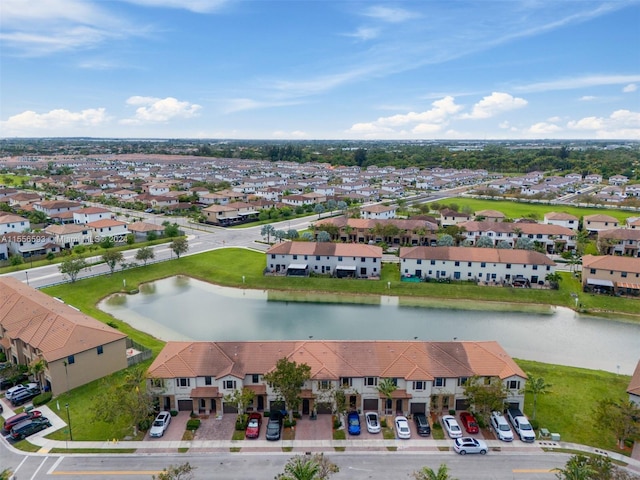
x: 568, y: 408
x: 514, y: 209
x: 566, y: 411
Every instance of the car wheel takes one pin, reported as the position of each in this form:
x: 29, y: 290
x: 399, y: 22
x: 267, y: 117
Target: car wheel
x: 463, y: 452
x: 482, y: 452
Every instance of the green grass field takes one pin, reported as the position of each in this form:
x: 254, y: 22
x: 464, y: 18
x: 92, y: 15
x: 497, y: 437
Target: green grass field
x: 514, y: 209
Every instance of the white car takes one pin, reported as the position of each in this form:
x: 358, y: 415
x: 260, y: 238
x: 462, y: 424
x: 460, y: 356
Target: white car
x: 160, y: 424
x: 450, y: 424
x: 373, y: 422
x: 501, y: 427
x: 464, y: 445
x: 402, y: 427
x: 20, y: 388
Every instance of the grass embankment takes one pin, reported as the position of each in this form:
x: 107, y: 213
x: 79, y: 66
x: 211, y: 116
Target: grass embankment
x: 567, y: 410
x: 515, y: 209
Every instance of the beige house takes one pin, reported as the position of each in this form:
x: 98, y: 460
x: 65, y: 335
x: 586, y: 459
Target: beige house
x: 608, y: 274
x: 77, y: 348
x: 236, y: 212
x: 597, y: 222
x: 429, y: 376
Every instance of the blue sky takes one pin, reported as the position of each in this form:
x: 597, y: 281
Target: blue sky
x: 511, y: 69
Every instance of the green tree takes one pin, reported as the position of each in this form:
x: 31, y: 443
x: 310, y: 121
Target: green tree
x: 576, y: 468
x: 144, y: 254
x: 171, y: 230
x: 112, y: 258
x: 445, y: 240
x: 386, y: 387
x: 267, y: 231
x: 151, y: 236
x: 37, y: 368
x: 426, y: 473
x: 287, y: 380
x: 72, y: 266
x: 323, y: 236
x: 554, y: 279
x: 179, y: 246
x: 176, y: 472
x: 292, y: 234
x: 241, y: 398
x: 484, y: 242
x: 536, y: 386
x: 319, y: 209
x: 486, y: 395
x: 524, y: 243
x: 107, y: 242
x: 16, y: 260
x: 303, y: 467
x: 6, y: 474
x: 621, y: 418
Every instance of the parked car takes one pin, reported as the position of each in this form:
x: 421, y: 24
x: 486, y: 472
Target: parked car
x: 373, y: 422
x: 160, y: 424
x: 422, y: 424
x: 274, y: 426
x: 29, y: 427
x: 402, y: 427
x: 353, y: 423
x: 10, y: 422
x: 501, y: 427
x: 8, y: 382
x: 450, y: 424
x: 466, y: 445
x: 23, y: 396
x: 469, y: 422
x: 253, y: 425
x: 18, y: 388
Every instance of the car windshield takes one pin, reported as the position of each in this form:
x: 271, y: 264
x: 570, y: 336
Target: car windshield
x: 253, y: 422
x: 454, y: 427
x: 373, y: 420
x: 525, y: 426
x: 158, y: 423
x: 472, y: 424
x: 353, y: 421
x: 504, y: 427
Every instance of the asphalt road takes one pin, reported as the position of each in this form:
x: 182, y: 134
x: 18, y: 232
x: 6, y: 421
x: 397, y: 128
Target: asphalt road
x: 249, y: 466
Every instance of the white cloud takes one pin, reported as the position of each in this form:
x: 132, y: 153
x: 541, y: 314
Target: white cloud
x: 197, y: 6
x: 632, y: 87
x: 494, y: 104
x: 587, y: 98
x: 544, y: 128
x: 155, y: 110
x: 294, y: 134
x: 577, y: 82
x: 623, y: 124
x: 364, y: 33
x: 391, y: 15
x: 59, y: 120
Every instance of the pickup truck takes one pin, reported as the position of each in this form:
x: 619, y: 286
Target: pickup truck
x: 521, y: 425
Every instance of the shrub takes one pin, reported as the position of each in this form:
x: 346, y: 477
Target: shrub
x: 112, y: 324
x: 535, y: 424
x: 266, y: 414
x: 337, y: 423
x: 145, y: 424
x: 42, y: 399
x: 383, y: 423
x: 452, y: 412
x: 241, y: 422
x: 290, y: 423
x: 173, y: 413
x: 193, y: 424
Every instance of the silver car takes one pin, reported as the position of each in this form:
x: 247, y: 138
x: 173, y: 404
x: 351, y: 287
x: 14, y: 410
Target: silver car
x: 373, y: 422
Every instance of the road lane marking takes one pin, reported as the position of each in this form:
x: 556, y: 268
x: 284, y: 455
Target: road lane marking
x: 109, y: 472
x: 55, y: 465
x: 35, y: 474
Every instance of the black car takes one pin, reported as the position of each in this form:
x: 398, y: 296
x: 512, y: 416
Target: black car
x: 29, y: 427
x: 422, y: 424
x: 274, y: 426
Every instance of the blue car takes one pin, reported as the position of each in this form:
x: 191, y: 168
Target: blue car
x: 353, y: 421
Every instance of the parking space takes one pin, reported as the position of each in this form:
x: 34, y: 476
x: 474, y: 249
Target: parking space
x: 220, y: 428
x: 319, y: 429
x: 175, y: 430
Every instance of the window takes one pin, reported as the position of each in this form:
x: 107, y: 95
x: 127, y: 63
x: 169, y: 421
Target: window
x: 483, y: 264
x: 535, y: 267
x: 508, y: 265
x: 468, y: 264
x: 363, y: 259
x: 230, y: 384
x: 317, y: 257
x: 419, y: 385
x: 433, y: 262
x: 438, y: 382
x: 255, y: 378
x: 339, y: 259
x: 457, y: 264
x: 273, y: 255
x: 462, y: 381
x: 207, y: 380
x: 157, y: 382
x: 346, y: 382
x: 99, y: 350
x: 324, y: 384
x: 184, y: 382
x: 71, y: 359
x: 624, y: 274
x: 514, y: 384
x: 295, y: 257
x: 371, y: 381
x: 593, y: 270
x: 419, y: 262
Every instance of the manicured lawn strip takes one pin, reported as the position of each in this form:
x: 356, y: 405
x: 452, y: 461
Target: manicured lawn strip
x: 568, y: 408
x: 93, y: 450
x: 514, y: 209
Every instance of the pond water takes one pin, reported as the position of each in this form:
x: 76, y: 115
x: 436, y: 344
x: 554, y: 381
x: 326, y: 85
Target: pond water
x: 182, y: 308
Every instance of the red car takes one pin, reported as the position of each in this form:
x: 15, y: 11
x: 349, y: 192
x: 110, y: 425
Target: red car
x: 469, y: 422
x: 253, y: 425
x: 20, y: 417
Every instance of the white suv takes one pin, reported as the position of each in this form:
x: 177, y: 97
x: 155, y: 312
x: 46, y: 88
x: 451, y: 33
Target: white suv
x: 501, y: 427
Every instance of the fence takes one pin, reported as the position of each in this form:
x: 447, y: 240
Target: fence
x: 143, y: 353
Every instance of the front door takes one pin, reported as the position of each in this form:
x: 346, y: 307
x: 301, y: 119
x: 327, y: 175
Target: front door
x: 260, y: 403
x: 399, y: 405
x: 305, y: 406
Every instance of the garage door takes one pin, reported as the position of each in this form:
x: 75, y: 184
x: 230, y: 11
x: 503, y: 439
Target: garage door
x: 185, y: 405
x: 418, y: 407
x: 462, y: 404
x: 370, y: 404
x: 229, y: 408
x: 324, y: 408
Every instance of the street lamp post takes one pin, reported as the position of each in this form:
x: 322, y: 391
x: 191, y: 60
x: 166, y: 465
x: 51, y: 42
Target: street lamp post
x: 69, y: 423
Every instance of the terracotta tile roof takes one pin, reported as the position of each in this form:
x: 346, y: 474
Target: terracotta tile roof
x: 66, y: 229
x: 524, y: 227
x: 331, y: 360
x: 560, y: 216
x: 54, y: 328
x: 634, y: 383
x: 326, y: 249
x: 105, y: 222
x: 476, y: 254
x: 620, y: 234
x: 205, y: 392
x: 611, y: 262
x: 143, y: 227
x: 599, y: 217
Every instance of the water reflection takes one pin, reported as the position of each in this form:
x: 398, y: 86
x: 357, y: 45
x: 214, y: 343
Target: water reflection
x: 181, y: 308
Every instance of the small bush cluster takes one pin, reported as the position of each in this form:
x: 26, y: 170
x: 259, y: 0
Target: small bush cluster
x: 241, y: 422
x: 193, y: 424
x: 337, y: 423
x: 174, y: 413
x: 42, y: 399
x: 290, y: 423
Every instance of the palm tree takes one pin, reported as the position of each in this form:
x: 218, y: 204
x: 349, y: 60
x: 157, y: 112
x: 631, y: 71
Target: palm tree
x: 427, y: 473
x: 536, y: 386
x: 576, y: 468
x: 37, y: 367
x: 386, y: 387
x: 299, y: 468
x: 554, y: 280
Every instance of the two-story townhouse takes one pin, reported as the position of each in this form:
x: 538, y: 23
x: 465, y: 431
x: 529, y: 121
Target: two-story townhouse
x: 4, y: 251
x: 562, y: 219
x: 553, y: 238
x: 618, y: 180
x: 113, y: 229
x: 70, y: 235
x: 595, y: 223
x: 233, y: 213
x: 490, y: 216
x: 633, y: 223
x: 451, y: 217
x: 378, y: 212
x: 429, y: 376
x: 28, y: 245
x: 476, y: 264
x: 632, y: 190
x: 91, y: 214
x: 53, y: 207
x: 326, y: 258
x: 156, y: 189
x: 10, y: 222
x: 392, y: 231
x: 22, y: 199
x: 619, y: 241
x: 593, y: 178
x: 611, y: 274
x: 77, y: 349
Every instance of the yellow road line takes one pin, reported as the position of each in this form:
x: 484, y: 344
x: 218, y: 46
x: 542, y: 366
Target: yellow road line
x: 109, y: 472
